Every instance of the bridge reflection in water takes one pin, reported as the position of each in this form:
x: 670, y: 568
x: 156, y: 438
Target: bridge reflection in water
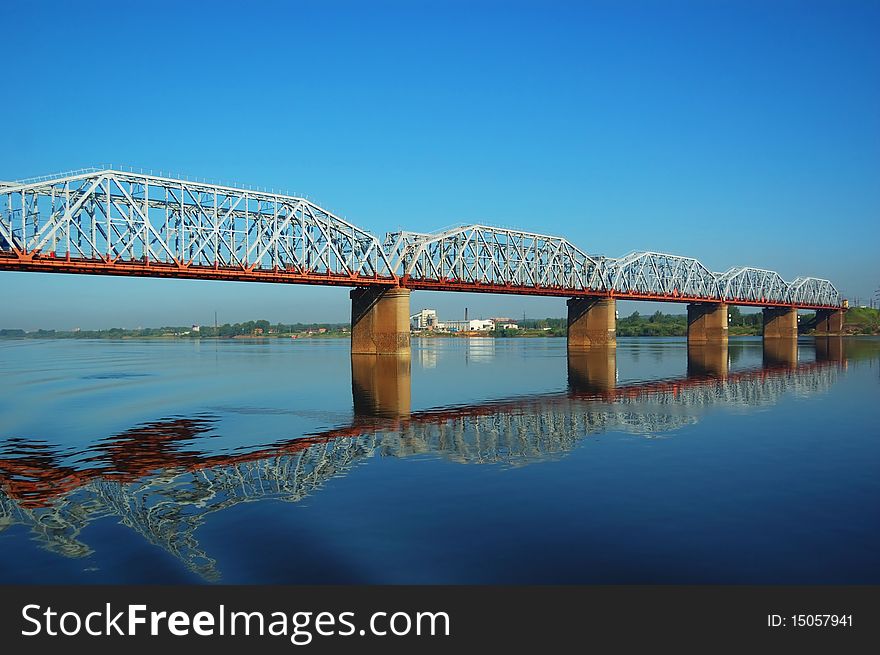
x: 149, y: 480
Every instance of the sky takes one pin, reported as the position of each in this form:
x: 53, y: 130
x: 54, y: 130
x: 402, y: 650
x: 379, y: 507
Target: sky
x: 740, y: 133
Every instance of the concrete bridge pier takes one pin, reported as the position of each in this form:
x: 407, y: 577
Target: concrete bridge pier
x: 592, y: 322
x: 707, y: 323
x: 380, y: 321
x: 781, y: 352
x: 708, y: 359
x: 380, y: 385
x: 780, y: 323
x: 829, y: 322
x: 592, y: 370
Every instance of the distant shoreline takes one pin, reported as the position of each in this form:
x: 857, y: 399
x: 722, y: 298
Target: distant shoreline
x: 443, y: 335
x: 861, y: 321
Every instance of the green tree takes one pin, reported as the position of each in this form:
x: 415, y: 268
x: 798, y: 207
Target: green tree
x: 735, y: 316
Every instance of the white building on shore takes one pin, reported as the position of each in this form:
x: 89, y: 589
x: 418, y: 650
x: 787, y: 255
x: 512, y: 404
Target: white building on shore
x: 426, y: 319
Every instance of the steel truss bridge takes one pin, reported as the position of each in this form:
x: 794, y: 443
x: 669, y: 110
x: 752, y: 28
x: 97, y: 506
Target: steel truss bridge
x: 149, y: 481
x: 120, y: 222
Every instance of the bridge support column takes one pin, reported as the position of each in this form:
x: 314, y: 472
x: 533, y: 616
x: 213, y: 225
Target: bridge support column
x: 707, y: 323
x: 780, y: 323
x: 380, y: 321
x: 380, y: 385
x: 829, y: 322
x: 592, y: 322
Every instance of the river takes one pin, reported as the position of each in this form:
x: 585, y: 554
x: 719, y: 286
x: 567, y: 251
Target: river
x: 474, y: 461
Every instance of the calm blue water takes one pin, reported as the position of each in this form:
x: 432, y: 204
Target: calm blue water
x: 477, y: 461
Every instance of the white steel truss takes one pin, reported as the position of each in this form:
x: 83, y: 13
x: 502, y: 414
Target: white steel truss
x: 754, y: 284
x: 479, y: 254
x: 659, y: 274
x: 110, y: 215
x: 813, y: 291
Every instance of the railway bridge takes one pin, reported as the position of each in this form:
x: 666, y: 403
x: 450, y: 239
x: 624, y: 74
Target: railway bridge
x: 117, y: 221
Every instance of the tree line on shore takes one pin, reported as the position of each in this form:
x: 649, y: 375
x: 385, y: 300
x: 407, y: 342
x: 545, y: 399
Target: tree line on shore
x: 246, y: 329
x: 657, y: 324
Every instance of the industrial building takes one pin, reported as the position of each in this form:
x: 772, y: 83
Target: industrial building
x: 473, y: 325
x: 426, y: 319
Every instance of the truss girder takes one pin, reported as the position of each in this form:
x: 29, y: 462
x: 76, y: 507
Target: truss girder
x: 813, y: 291
x: 115, y: 216
x: 753, y: 284
x: 482, y: 255
x: 661, y: 275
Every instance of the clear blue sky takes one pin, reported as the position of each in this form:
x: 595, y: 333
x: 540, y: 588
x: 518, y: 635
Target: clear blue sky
x: 736, y: 132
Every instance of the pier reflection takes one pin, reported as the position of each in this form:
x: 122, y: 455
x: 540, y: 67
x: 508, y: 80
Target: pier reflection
x: 592, y: 369
x: 708, y: 359
x: 380, y: 385
x: 830, y: 349
x: 154, y: 479
x: 781, y: 352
